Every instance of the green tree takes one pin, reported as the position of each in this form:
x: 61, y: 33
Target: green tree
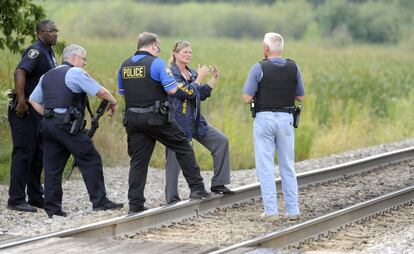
x: 18, y: 19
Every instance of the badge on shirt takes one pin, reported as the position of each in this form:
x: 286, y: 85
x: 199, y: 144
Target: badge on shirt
x: 168, y: 71
x: 33, y: 53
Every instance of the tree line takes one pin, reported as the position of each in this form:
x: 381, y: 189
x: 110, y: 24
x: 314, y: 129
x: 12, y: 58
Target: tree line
x: 344, y: 21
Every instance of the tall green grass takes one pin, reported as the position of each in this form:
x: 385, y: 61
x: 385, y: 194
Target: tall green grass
x: 356, y: 95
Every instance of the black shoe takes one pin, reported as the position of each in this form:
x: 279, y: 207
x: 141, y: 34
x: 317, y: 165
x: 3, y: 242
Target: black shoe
x: 174, y: 201
x: 108, y: 205
x: 137, y: 210
x: 24, y: 207
x: 222, y: 189
x: 38, y: 204
x: 58, y: 213
x: 201, y: 194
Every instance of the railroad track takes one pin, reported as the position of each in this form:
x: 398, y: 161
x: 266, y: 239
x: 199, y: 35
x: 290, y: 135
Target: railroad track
x: 317, y: 228
x: 131, y: 224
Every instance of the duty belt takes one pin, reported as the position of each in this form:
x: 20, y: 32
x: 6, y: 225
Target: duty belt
x: 285, y: 110
x: 49, y: 113
x: 142, y: 110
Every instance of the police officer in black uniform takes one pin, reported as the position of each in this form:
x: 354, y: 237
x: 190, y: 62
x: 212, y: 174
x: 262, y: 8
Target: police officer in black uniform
x: 61, y: 97
x: 145, y: 81
x: 26, y: 164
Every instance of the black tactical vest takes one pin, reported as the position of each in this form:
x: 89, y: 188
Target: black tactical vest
x: 140, y: 90
x: 277, y: 89
x: 57, y: 95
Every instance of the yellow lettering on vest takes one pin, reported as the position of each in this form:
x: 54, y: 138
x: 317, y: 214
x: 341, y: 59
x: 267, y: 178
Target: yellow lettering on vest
x: 133, y: 72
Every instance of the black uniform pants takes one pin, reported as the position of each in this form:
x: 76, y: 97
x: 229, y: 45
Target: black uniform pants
x: 58, y: 145
x: 143, y: 130
x: 26, y: 163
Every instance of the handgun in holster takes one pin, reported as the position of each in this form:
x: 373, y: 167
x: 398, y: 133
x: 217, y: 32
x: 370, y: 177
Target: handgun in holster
x: 11, y: 94
x: 296, y: 115
x: 76, y: 119
x: 253, y: 108
x: 167, y: 110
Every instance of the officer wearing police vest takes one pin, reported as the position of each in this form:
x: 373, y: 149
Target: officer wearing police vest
x: 26, y: 163
x: 145, y: 81
x: 60, y: 97
x: 274, y: 84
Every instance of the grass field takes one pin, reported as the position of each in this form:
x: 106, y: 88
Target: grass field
x: 356, y: 95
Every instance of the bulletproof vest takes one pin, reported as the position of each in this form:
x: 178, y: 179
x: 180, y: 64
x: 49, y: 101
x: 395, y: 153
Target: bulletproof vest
x: 140, y: 90
x: 57, y: 95
x: 277, y: 89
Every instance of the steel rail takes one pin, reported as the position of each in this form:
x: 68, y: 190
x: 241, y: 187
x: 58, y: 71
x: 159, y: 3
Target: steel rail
x: 330, y: 222
x: 131, y: 224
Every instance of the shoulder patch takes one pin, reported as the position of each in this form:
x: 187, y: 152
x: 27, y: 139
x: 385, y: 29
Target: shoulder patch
x: 168, y: 71
x: 87, y: 74
x: 33, y: 53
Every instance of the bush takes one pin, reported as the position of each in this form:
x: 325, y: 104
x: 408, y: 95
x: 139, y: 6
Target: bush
x: 292, y: 18
x: 376, y: 22
x: 240, y: 25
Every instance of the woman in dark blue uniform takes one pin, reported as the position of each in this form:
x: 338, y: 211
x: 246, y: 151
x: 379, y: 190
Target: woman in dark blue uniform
x: 194, y: 125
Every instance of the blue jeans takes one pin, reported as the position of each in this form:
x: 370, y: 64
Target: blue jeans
x: 275, y: 130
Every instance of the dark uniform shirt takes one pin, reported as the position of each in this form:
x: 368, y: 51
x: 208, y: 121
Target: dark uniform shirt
x: 37, y: 59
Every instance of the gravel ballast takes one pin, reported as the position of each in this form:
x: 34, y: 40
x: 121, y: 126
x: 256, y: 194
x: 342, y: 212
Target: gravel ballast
x: 76, y: 201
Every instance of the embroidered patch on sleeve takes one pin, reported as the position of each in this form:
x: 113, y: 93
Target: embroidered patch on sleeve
x: 33, y: 53
x: 87, y: 74
x: 168, y: 71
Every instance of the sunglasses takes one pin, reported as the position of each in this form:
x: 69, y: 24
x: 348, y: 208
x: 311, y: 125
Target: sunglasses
x: 180, y: 43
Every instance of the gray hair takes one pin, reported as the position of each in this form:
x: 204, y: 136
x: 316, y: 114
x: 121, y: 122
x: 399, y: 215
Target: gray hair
x: 145, y: 39
x: 71, y: 50
x: 274, y: 41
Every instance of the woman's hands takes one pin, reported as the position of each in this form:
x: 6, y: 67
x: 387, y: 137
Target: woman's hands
x: 214, y: 76
x: 205, y: 70
x: 202, y: 72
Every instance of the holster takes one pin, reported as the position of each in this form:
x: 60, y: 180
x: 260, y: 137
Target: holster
x: 48, y: 114
x: 75, y: 119
x: 253, y: 108
x: 12, y: 103
x: 296, y: 116
x: 165, y: 109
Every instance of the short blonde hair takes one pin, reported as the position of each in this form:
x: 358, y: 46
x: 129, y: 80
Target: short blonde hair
x: 178, y: 46
x: 274, y: 41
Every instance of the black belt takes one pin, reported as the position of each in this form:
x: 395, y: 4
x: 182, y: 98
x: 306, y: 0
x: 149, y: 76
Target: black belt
x: 285, y: 110
x: 59, y: 115
x: 49, y: 113
x: 141, y: 110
